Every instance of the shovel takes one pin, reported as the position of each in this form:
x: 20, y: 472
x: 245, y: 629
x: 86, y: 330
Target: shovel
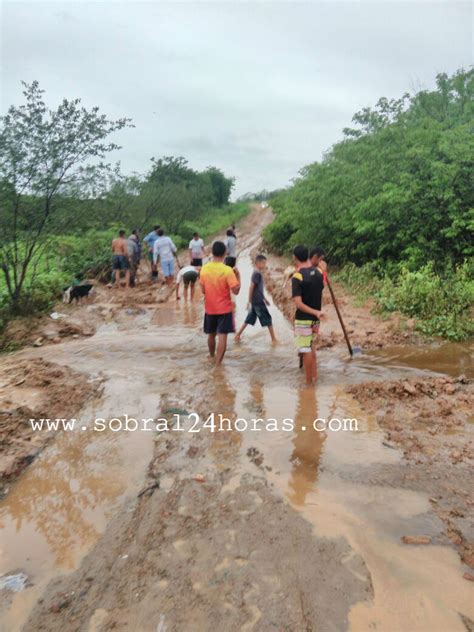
x: 349, y: 346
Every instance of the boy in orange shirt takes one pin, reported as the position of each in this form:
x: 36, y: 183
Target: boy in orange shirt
x: 218, y: 282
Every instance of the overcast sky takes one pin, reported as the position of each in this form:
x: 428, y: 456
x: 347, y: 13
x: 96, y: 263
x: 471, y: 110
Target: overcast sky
x: 258, y: 89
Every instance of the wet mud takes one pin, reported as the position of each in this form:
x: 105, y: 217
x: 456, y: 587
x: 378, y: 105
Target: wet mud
x: 245, y: 529
x: 34, y: 389
x: 431, y: 421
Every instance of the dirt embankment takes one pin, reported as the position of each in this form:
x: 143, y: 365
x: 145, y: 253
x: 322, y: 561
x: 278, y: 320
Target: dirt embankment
x: 38, y: 331
x: 430, y: 419
x: 417, y: 413
x: 34, y: 389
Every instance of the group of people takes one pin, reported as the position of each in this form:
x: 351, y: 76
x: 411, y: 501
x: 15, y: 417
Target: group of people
x: 127, y: 254
x: 220, y: 279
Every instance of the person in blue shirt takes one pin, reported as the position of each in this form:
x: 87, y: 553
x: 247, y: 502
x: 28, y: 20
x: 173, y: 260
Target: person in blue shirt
x: 149, y: 240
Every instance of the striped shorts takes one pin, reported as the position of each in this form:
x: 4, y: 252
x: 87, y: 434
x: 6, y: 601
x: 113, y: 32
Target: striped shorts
x: 305, y: 334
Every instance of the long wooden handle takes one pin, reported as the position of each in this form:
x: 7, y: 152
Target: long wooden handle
x: 340, y: 317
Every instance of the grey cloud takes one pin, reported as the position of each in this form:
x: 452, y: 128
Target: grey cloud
x: 256, y: 88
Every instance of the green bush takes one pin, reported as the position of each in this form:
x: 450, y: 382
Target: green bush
x: 440, y: 299
x: 279, y: 235
x: 399, y: 187
x: 78, y: 255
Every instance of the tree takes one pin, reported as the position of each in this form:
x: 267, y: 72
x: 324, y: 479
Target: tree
x: 44, y: 154
x: 221, y: 186
x: 399, y: 188
x: 176, y: 192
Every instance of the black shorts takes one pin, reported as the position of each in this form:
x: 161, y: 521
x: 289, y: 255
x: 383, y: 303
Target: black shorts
x: 261, y: 312
x: 230, y: 261
x: 197, y: 263
x: 190, y: 277
x: 120, y: 262
x: 219, y: 323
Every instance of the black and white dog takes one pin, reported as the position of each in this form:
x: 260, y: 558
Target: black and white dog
x: 76, y: 292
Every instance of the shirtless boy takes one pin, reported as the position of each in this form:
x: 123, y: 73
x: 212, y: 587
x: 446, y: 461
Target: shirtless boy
x: 120, y: 259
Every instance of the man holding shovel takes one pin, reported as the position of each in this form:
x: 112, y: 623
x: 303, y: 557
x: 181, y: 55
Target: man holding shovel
x: 306, y: 289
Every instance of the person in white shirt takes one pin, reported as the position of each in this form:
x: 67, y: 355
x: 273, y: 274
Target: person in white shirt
x: 165, y: 250
x: 188, y: 275
x: 197, y: 251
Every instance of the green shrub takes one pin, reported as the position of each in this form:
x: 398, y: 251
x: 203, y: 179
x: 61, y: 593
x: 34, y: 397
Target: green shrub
x: 278, y: 235
x: 441, y: 299
x: 87, y: 254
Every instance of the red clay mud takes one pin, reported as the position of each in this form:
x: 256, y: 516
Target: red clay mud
x: 34, y: 389
x: 430, y: 419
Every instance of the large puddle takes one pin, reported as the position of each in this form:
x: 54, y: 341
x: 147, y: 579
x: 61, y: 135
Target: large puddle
x: 58, y: 509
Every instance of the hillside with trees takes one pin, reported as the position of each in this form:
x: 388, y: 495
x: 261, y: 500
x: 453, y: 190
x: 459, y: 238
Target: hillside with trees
x: 396, y: 197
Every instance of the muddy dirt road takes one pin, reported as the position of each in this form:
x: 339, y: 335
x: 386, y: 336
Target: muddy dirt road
x: 266, y: 530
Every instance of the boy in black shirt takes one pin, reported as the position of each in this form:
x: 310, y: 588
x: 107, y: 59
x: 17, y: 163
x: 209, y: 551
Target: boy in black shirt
x: 257, y: 302
x: 306, y: 289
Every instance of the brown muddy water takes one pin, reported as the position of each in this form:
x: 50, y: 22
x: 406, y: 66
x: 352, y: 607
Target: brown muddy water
x: 61, y: 505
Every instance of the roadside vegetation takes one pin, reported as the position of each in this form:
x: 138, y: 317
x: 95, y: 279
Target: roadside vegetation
x: 62, y: 202
x: 441, y: 304
x: 393, y: 206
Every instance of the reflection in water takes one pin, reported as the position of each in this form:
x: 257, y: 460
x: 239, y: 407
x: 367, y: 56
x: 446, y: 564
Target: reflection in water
x: 308, y: 444
x: 452, y: 358
x: 60, y: 505
x: 58, y: 500
x: 256, y: 393
x: 191, y: 312
x: 223, y: 399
